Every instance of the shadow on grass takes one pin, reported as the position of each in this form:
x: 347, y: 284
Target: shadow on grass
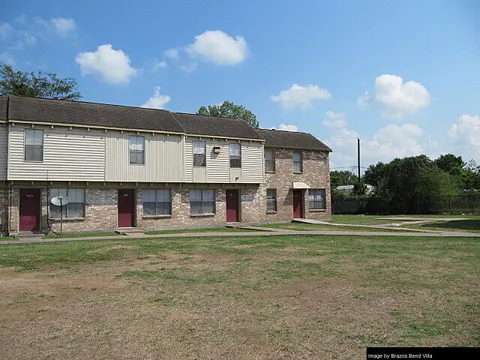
x: 467, y: 224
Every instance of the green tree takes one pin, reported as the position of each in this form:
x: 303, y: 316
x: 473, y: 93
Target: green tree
x: 467, y: 175
x: 451, y: 164
x: 406, y: 183
x: 344, y: 177
x: 231, y: 111
x: 37, y: 84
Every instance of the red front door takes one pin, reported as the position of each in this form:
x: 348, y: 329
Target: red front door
x: 297, y: 204
x: 232, y: 205
x: 126, y: 208
x: 29, y: 209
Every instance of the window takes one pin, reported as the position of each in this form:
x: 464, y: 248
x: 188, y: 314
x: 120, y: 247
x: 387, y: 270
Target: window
x: 269, y: 160
x: 157, y: 202
x: 316, y: 199
x: 271, y: 199
x: 137, y: 150
x: 199, y: 153
x: 34, y: 145
x: 297, y: 162
x: 235, y: 155
x: 75, y: 207
x: 202, y: 201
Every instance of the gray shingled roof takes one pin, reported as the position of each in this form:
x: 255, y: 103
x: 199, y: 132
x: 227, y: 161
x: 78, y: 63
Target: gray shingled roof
x: 212, y: 126
x: 123, y: 117
x: 136, y: 118
x: 91, y: 114
x: 291, y: 140
x: 3, y: 108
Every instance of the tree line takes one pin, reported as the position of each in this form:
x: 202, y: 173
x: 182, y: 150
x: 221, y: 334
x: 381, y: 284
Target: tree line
x: 411, y: 181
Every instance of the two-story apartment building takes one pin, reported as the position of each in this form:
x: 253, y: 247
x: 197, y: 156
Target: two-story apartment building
x: 123, y: 167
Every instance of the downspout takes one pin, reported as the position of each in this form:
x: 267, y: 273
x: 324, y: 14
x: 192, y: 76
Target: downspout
x: 49, y: 225
x: 8, y: 183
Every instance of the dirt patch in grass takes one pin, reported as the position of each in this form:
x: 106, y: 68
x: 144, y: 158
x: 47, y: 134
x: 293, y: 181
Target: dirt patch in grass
x: 275, y: 298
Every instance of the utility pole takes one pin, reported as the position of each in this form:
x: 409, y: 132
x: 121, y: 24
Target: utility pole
x: 358, y: 158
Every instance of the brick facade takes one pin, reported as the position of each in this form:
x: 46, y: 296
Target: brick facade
x: 316, y: 174
x: 101, y: 209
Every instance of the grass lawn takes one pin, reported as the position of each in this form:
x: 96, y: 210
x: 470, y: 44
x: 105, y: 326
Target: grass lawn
x: 199, y: 230
x: 7, y: 238
x: 321, y: 227
x: 469, y: 225
x: 295, y: 297
x: 383, y: 219
x: 360, y: 219
x: 79, y: 235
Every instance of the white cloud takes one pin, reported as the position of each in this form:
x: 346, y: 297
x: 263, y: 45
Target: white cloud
x: 218, y: 47
x: 337, y: 123
x: 172, y: 53
x: 335, y: 120
x: 301, y: 96
x: 333, y: 115
x: 157, y: 100
x: 287, y: 127
x: 158, y: 65
x: 395, y: 98
x: 62, y: 26
x: 7, y: 59
x: 6, y: 30
x: 189, y: 67
x: 113, y: 66
x: 27, y: 38
x: 392, y: 141
x: 464, y: 136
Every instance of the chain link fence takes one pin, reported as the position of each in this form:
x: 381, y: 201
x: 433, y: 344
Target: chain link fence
x: 468, y: 204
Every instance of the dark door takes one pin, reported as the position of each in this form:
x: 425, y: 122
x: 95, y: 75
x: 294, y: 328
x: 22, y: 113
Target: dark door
x: 126, y: 208
x: 232, y: 205
x: 29, y: 209
x: 297, y: 204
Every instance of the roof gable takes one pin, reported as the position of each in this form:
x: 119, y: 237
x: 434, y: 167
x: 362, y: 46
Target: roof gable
x: 291, y: 140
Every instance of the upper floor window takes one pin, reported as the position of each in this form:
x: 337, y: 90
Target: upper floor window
x: 297, y: 162
x: 316, y: 199
x: 137, y: 150
x: 271, y: 199
x: 235, y: 155
x: 34, y: 145
x: 202, y: 201
x: 269, y: 160
x: 199, y: 153
x: 75, y: 207
x: 157, y: 202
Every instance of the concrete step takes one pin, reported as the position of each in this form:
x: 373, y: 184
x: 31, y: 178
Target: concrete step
x: 30, y: 234
x: 128, y: 231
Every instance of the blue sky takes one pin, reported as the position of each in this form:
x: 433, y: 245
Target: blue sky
x: 403, y: 76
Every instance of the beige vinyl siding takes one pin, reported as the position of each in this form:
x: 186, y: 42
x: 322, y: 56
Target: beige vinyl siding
x: 252, y: 163
x: 218, y: 164
x: 236, y: 176
x: 68, y: 155
x: 199, y: 174
x: 163, y: 158
x: 188, y: 167
x: 3, y: 150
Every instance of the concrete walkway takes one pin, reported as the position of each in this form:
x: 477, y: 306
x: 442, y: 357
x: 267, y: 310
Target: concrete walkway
x: 250, y: 234
x: 391, y: 226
